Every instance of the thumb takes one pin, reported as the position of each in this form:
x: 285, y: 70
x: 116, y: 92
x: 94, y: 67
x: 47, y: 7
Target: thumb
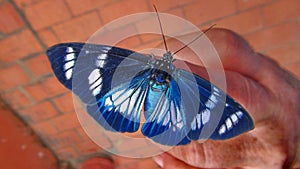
x: 166, y: 161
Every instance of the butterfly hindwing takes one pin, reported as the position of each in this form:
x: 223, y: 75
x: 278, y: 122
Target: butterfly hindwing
x: 165, y: 122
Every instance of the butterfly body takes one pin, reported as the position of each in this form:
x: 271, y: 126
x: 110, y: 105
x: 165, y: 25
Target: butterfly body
x: 117, y: 85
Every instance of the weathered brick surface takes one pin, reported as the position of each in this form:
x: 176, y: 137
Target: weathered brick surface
x: 46, y: 13
x: 244, y: 22
x: 26, y: 83
x: 17, y: 99
x: 274, y: 36
x: 12, y: 76
x: 66, y: 122
x: 45, y: 128
x: 200, y: 12
x: 79, y: 28
x: 81, y: 6
x: 67, y: 153
x: 63, y: 139
x: 38, y: 65
x: 10, y: 20
x: 120, y: 8
x: 48, y: 36
x: 245, y: 4
x: 281, y: 11
x: 45, y: 88
x: 18, y: 45
x: 39, y: 112
x: 64, y: 102
x: 88, y: 147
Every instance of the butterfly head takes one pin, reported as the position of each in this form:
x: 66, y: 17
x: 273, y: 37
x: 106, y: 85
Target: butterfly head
x: 165, y: 63
x: 168, y: 57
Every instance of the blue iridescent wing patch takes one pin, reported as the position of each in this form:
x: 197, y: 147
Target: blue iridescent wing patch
x: 118, y: 84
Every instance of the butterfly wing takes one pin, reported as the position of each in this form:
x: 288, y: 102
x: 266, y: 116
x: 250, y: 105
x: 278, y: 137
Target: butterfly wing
x: 165, y: 120
x: 191, y: 108
x: 218, y: 117
x: 109, y: 80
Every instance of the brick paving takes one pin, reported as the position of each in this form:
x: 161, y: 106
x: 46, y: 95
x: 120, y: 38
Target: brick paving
x: 28, y: 27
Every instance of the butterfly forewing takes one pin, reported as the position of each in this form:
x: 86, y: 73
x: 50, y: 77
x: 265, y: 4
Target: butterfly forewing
x: 104, y: 79
x: 219, y: 117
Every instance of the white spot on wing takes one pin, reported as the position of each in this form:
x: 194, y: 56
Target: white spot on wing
x: 69, y: 64
x: 105, y: 49
x: 119, y: 96
x: 124, y: 106
x: 198, y: 120
x: 228, y: 123
x: 97, y: 90
x: 101, y: 60
x: 216, y: 91
x: 179, y: 125
x: 70, y: 57
x: 239, y: 114
x: 193, y: 124
x: 133, y: 102
x: 116, y: 94
x: 102, y: 56
x: 68, y: 74
x: 108, y: 102
x: 211, y: 102
x: 97, y: 83
x: 166, y: 119
x: 205, y: 116
x: 160, y: 117
x: 234, y: 119
x: 94, y: 75
x: 173, y: 117
x: 172, y: 107
x: 213, y: 98
x: 100, y: 63
x: 95, y: 80
x: 222, y: 129
x: 69, y: 50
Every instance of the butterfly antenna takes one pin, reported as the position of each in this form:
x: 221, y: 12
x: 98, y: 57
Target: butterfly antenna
x: 194, y: 39
x: 161, y: 29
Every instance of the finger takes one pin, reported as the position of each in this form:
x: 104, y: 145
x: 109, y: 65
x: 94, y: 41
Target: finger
x: 238, y: 87
x: 218, y: 154
x: 237, y: 55
x: 166, y: 161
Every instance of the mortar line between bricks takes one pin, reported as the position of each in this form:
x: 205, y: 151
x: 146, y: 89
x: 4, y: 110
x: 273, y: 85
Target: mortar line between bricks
x: 28, y: 25
x: 69, y: 9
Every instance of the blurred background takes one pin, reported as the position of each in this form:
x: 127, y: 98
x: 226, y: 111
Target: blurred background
x: 38, y: 125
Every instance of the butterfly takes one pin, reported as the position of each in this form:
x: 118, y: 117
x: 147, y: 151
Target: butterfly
x: 118, y: 84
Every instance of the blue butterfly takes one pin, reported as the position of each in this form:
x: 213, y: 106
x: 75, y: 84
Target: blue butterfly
x: 117, y: 84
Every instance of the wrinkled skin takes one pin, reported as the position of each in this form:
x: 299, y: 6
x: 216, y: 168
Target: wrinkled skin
x: 269, y: 93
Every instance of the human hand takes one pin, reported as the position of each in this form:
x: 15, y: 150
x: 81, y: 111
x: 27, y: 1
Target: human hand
x: 269, y: 93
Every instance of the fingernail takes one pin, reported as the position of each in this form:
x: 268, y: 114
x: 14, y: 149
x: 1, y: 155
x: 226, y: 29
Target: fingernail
x: 159, y: 161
